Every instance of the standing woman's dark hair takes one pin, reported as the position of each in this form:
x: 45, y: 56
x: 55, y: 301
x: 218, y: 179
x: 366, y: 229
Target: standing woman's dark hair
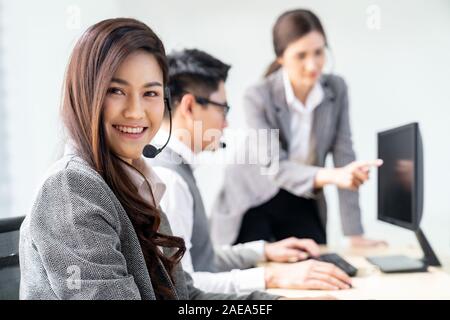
x: 289, y: 27
x: 95, y: 58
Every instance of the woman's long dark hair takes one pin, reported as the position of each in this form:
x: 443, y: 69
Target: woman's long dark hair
x: 289, y: 27
x: 94, y: 60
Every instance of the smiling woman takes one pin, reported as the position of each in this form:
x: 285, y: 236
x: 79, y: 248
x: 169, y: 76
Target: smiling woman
x: 127, y: 54
x: 95, y: 230
x: 134, y: 105
x: 123, y: 56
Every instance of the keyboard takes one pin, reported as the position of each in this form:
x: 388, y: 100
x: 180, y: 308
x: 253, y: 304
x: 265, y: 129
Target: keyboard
x: 338, y: 261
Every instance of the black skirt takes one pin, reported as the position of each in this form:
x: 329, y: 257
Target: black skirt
x: 285, y: 215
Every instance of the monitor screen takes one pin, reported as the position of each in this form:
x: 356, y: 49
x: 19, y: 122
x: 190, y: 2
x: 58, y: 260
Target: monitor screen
x: 396, y: 177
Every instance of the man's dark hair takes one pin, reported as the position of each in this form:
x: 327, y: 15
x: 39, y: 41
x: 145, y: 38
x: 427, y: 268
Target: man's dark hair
x: 196, y: 72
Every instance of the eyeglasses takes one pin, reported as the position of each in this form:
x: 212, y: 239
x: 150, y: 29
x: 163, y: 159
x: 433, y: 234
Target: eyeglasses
x: 205, y: 101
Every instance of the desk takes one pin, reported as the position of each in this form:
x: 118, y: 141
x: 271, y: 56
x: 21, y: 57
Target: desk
x: 370, y: 283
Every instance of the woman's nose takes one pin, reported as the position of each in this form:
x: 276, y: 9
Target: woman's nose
x: 311, y: 65
x: 134, y: 108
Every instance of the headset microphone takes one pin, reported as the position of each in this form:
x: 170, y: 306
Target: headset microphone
x: 150, y: 151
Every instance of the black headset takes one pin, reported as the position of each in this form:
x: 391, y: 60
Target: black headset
x: 150, y: 151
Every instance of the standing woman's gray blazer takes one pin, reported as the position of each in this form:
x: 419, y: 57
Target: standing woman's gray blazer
x: 265, y: 107
x: 78, y: 243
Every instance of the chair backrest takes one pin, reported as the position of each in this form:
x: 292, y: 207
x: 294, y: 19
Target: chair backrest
x: 9, y: 258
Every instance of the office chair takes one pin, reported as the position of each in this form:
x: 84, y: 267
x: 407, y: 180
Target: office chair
x: 9, y: 258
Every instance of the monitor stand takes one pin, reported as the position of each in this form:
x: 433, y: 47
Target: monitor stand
x: 399, y: 263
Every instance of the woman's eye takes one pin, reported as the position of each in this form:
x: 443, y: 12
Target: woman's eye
x: 302, y: 56
x: 115, y: 91
x: 319, y: 52
x: 151, y: 94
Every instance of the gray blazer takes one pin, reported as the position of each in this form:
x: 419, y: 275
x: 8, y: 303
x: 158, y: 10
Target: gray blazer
x: 265, y: 107
x: 78, y: 243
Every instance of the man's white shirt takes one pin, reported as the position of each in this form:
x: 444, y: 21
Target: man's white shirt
x: 177, y: 203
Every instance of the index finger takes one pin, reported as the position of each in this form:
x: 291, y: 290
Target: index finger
x: 369, y: 163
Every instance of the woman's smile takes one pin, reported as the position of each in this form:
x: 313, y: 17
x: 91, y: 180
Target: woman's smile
x: 130, y: 132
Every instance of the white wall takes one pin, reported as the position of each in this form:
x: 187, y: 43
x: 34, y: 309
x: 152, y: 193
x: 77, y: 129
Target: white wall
x: 37, y: 39
x: 396, y: 74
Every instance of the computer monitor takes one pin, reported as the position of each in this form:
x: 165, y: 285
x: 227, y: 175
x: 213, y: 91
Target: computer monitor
x: 400, y: 179
x: 400, y: 193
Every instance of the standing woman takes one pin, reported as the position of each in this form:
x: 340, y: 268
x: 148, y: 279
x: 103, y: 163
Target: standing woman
x: 95, y: 230
x: 311, y: 111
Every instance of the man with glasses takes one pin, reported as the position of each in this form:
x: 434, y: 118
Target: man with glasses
x: 199, y: 108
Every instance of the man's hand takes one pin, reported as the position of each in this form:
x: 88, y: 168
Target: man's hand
x: 306, y: 275
x: 291, y: 250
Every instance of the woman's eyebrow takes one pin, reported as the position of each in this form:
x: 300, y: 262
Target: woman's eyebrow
x: 315, y: 48
x: 118, y: 80
x: 153, y: 84
x: 148, y: 84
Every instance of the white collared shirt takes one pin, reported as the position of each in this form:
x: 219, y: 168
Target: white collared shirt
x: 302, y: 120
x: 178, y: 204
